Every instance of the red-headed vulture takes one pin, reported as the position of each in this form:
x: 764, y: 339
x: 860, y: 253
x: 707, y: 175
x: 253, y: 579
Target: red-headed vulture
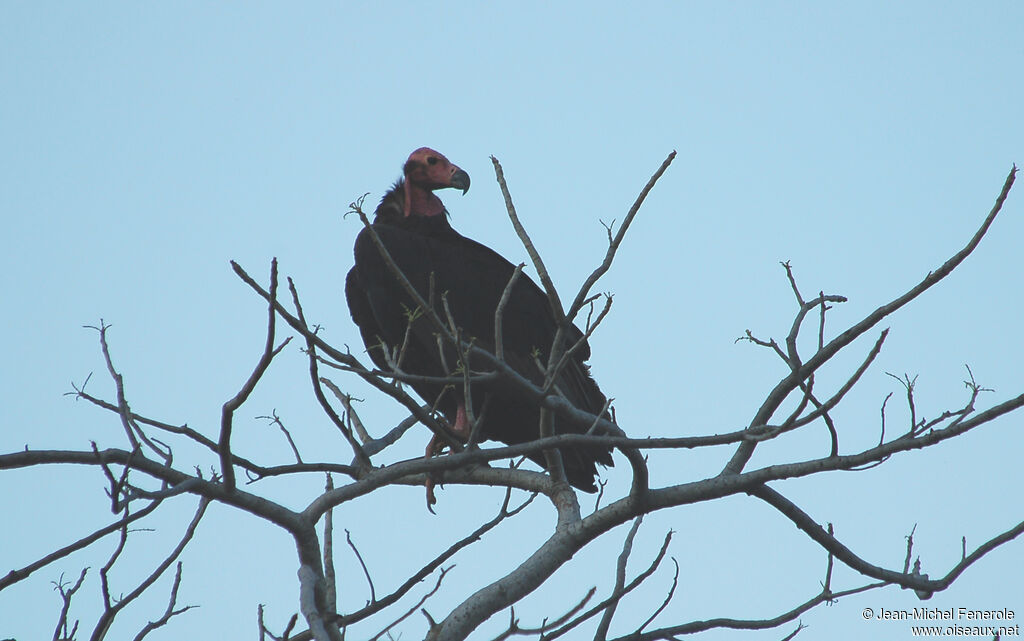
x: 413, y: 225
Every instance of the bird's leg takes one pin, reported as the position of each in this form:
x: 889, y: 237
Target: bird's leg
x: 436, y: 446
x: 461, y: 426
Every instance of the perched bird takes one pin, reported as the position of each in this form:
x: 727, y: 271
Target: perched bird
x: 442, y: 265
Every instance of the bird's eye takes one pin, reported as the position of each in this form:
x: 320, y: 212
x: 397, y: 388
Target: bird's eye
x: 432, y: 160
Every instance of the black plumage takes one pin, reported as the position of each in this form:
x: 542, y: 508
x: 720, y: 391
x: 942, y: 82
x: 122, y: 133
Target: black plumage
x: 414, y: 227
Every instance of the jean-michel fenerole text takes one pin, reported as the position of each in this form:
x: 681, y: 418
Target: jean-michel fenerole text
x: 946, y: 614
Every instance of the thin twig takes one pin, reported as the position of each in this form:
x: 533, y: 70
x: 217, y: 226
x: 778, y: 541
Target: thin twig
x: 17, y: 575
x: 499, y: 312
x: 617, y: 595
x: 666, y: 601
x: 62, y: 632
x: 276, y: 420
x: 314, y: 376
x: 620, y: 580
x: 231, y: 406
x: 362, y: 564
x: 613, y: 244
x: 170, y: 611
x: 417, y: 606
x: 538, y: 262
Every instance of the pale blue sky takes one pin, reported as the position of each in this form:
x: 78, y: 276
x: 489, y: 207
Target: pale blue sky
x: 142, y: 147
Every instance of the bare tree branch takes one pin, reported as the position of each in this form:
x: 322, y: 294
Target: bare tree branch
x: 170, y: 611
x: 342, y: 357
x: 362, y: 564
x: 514, y: 629
x: 185, y: 430
x: 914, y: 581
x: 17, y: 575
x: 538, y: 262
x: 386, y: 601
x: 111, y: 610
x: 786, y: 385
x: 673, y: 632
x: 329, y: 576
x: 417, y: 606
x: 276, y: 420
x: 613, y: 244
x: 499, y: 313
x: 620, y: 580
x: 617, y: 594
x: 62, y: 632
x: 231, y: 406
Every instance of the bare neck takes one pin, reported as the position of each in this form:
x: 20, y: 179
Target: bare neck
x: 421, y: 202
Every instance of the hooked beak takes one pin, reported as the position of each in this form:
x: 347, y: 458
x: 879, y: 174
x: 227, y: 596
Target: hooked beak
x: 460, y: 180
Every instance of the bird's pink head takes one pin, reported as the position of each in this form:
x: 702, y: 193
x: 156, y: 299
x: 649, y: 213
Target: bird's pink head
x: 425, y: 171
